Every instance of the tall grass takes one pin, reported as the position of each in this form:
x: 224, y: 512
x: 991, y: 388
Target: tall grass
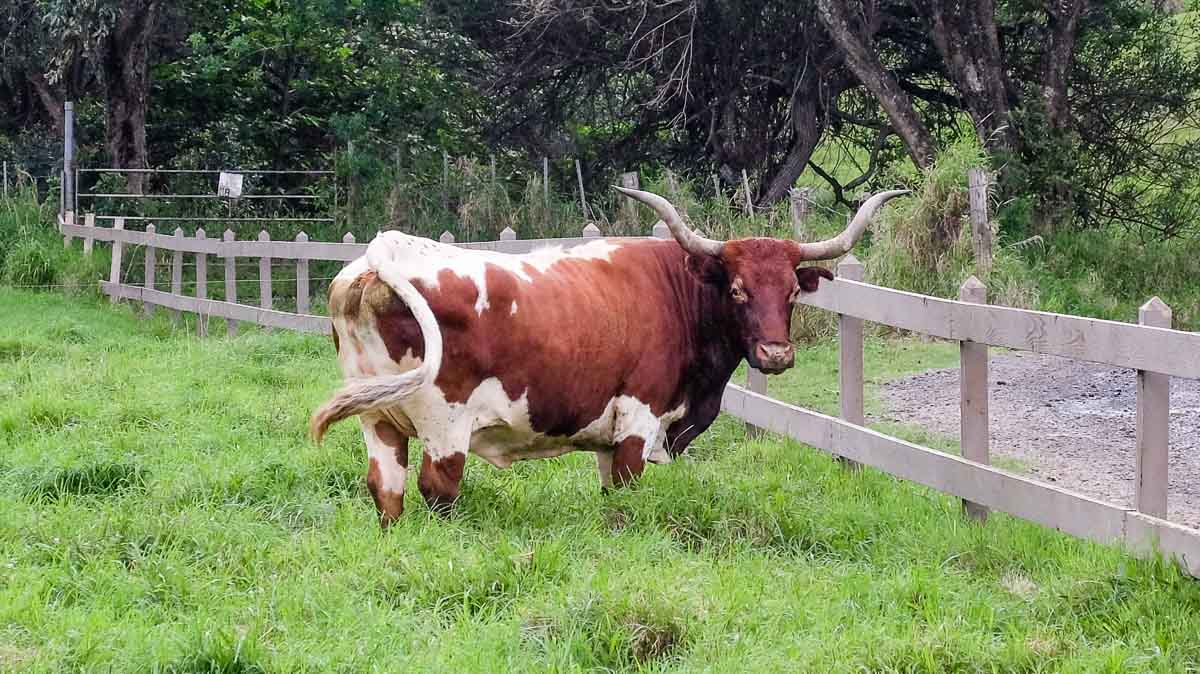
x: 31, y: 252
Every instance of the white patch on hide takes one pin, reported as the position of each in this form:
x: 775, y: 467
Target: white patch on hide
x: 421, y: 259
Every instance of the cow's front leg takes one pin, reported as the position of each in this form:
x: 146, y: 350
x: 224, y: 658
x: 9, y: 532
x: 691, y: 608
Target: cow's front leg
x: 604, y: 466
x: 440, y: 480
x: 387, y: 466
x: 628, y: 461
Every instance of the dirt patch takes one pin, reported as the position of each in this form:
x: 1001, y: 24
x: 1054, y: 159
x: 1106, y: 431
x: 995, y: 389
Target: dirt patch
x: 1068, y: 422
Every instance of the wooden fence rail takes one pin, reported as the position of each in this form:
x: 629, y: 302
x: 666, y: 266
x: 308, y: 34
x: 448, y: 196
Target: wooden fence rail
x: 1152, y: 348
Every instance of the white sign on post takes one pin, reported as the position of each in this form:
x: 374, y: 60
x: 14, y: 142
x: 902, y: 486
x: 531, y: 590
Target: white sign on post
x: 230, y: 185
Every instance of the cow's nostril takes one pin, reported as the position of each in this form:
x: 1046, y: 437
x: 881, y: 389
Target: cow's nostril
x: 775, y: 355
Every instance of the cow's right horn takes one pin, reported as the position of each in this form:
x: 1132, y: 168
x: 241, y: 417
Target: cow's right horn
x: 689, y: 240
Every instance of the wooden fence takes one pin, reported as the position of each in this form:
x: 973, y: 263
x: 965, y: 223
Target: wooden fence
x: 1151, y: 348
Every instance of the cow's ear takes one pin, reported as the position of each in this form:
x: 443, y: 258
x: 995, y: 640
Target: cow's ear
x: 706, y: 268
x: 810, y: 277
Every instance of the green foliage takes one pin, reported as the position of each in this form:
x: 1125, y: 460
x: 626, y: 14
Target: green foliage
x: 923, y: 243
x: 164, y: 512
x: 32, y: 254
x: 1110, y: 273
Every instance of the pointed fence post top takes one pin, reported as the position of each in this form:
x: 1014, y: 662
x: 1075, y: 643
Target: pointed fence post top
x: 200, y: 233
x: 973, y: 290
x: 229, y: 235
x: 850, y: 268
x: 302, y: 237
x: 661, y: 231
x: 591, y: 231
x: 179, y: 231
x: 348, y: 238
x: 508, y: 234
x: 446, y: 237
x: 263, y: 236
x: 1155, y: 313
x: 151, y: 229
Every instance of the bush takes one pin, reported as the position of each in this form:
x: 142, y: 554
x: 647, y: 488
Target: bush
x: 923, y: 244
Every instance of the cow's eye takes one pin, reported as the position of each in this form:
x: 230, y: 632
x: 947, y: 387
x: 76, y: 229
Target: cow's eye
x: 738, y: 294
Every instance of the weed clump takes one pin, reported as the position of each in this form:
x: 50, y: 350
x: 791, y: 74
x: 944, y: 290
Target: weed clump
x: 98, y: 479
x: 613, y: 635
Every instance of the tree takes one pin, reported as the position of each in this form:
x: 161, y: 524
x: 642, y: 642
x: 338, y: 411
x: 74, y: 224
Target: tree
x: 735, y: 85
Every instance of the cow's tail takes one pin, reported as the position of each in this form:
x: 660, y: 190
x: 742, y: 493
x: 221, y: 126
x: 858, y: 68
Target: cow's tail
x: 364, y: 394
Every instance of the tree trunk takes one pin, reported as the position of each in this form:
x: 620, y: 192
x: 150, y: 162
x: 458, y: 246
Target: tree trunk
x: 125, y: 64
x: 854, y: 42
x: 1056, y: 61
x: 52, y: 102
x: 807, y: 127
x: 964, y: 32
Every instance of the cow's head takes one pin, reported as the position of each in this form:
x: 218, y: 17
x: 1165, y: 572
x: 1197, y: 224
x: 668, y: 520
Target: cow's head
x: 759, y: 278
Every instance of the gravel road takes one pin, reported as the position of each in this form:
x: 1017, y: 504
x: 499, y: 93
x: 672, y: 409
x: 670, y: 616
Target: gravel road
x: 1070, y: 423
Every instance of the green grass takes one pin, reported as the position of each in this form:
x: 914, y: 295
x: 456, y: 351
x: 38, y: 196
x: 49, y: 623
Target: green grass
x: 162, y: 511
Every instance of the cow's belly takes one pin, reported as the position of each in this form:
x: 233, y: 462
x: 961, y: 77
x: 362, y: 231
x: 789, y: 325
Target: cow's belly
x: 500, y: 431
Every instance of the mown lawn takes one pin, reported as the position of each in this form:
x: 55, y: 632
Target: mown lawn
x: 161, y: 510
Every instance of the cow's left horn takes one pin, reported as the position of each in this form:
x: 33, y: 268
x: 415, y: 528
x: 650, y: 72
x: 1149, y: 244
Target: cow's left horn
x: 689, y: 240
x: 842, y: 243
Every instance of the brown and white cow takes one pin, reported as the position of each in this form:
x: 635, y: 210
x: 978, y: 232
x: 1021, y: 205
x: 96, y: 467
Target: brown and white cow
x: 618, y: 347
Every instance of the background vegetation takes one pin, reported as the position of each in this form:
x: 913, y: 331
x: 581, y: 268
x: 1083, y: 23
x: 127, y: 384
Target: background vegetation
x: 436, y: 116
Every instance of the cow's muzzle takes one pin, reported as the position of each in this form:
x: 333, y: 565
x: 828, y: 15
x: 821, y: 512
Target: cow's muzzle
x: 775, y: 357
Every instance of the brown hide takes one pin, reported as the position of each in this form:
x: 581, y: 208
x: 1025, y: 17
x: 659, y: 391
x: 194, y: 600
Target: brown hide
x: 648, y: 323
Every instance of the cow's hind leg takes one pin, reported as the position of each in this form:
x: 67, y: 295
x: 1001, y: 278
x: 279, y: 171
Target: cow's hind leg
x: 387, y: 459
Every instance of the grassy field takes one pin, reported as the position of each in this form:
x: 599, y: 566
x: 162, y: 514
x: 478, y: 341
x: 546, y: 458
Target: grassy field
x: 163, y: 511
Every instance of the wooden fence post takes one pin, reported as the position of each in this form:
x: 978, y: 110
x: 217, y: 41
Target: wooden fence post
x: 347, y: 238
x: 591, y: 231
x: 746, y: 186
x: 629, y: 213
x: 981, y: 228
x: 973, y: 404
x: 445, y: 180
x: 492, y: 194
x: 69, y: 218
x: 661, y: 231
x: 89, y: 220
x: 1153, y: 423
x: 546, y: 186
x: 800, y: 209
x: 302, y: 276
x: 177, y: 274
x: 201, y: 285
x: 151, y: 264
x: 582, y: 198
x: 230, y: 282
x: 264, y: 274
x: 118, y: 247
x: 507, y: 234
x: 757, y: 382
x: 446, y: 237
x: 850, y: 357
